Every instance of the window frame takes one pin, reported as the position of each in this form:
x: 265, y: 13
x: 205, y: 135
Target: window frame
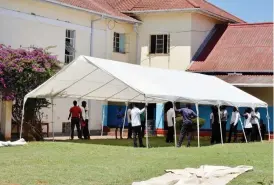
x: 71, y: 56
x: 163, y: 47
x: 117, y: 49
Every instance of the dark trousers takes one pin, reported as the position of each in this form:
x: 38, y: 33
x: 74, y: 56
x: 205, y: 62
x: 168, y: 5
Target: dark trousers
x: 137, y: 132
x: 129, y: 133
x: 224, y: 130
x: 143, y: 128
x: 215, y: 135
x: 186, y: 130
x: 75, y: 122
x: 254, y: 132
x: 116, y: 130
x: 248, y: 132
x: 233, y: 129
x: 170, y: 135
x: 85, y: 130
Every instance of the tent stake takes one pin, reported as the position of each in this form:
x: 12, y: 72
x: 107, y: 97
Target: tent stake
x: 219, y: 113
x: 198, y: 124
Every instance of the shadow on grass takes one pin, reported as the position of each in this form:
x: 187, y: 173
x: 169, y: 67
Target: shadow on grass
x: 154, y: 142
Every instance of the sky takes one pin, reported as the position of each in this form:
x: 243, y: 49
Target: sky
x: 249, y: 10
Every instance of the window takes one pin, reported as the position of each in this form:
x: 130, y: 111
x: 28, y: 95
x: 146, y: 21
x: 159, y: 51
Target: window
x: 120, y: 43
x: 70, y: 46
x: 159, y: 44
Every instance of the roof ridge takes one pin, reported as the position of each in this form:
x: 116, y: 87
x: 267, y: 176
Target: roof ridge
x: 193, y: 4
x: 221, y: 9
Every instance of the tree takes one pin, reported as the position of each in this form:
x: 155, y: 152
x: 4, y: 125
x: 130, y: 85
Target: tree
x: 21, y: 71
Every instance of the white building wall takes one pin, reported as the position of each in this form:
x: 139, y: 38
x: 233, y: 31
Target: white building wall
x: 36, y: 23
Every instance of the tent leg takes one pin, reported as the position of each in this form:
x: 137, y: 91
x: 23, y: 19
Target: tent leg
x: 243, y: 130
x: 124, y: 119
x: 147, y: 144
x: 103, y: 119
x: 219, y: 113
x: 259, y: 129
x: 52, y: 119
x: 175, y: 129
x: 268, y: 126
x: 198, y: 124
x: 22, y: 119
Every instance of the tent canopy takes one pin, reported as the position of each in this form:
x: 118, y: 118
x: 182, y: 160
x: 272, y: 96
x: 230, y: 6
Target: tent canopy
x: 101, y: 79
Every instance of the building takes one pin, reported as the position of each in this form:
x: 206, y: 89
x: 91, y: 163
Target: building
x: 242, y: 55
x: 156, y: 33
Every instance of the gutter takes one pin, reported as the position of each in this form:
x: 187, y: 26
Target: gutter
x: 252, y: 85
x: 185, y: 10
x: 91, y: 11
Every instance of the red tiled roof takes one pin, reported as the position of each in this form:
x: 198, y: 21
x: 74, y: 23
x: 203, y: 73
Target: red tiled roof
x: 146, y: 5
x: 99, y: 6
x: 242, y: 48
x: 247, y: 79
x: 116, y: 7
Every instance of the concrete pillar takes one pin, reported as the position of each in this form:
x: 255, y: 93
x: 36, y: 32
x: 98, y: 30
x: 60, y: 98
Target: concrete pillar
x: 159, y: 123
x: 6, y: 119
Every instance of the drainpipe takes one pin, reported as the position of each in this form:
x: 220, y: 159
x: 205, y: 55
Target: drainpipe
x: 137, y: 44
x: 91, y: 53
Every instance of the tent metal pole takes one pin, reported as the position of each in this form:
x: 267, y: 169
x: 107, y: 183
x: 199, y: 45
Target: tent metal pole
x: 124, y: 118
x: 268, y: 125
x: 22, y: 118
x: 243, y: 129
x: 175, y: 129
x: 146, y: 125
x: 52, y: 129
x: 259, y: 129
x: 103, y: 119
x: 219, y: 114
x: 198, y: 123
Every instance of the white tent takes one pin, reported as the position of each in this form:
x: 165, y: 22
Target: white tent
x: 101, y: 79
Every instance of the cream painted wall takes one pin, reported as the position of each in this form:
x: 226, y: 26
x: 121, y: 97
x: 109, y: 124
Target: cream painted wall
x: 263, y: 93
x: 201, y: 26
x: 178, y: 26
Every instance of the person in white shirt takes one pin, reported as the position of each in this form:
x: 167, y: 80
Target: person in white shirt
x: 129, y: 134
x: 84, y: 123
x: 247, y: 124
x: 224, y: 116
x: 234, y: 124
x: 170, y: 123
x: 255, y: 120
x: 136, y: 124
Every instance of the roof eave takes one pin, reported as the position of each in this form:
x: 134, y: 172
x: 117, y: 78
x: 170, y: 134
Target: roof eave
x: 252, y: 85
x: 92, y: 12
x: 185, y: 10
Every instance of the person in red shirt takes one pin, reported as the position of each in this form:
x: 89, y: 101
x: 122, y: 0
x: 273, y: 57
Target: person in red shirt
x: 75, y: 113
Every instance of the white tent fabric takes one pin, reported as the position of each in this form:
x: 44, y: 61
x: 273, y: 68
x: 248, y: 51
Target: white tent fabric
x: 101, y: 79
x: 205, y: 175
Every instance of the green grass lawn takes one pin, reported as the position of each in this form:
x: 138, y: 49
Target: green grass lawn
x: 115, y: 162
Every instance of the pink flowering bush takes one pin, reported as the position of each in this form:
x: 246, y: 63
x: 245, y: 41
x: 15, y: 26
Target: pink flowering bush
x: 21, y: 71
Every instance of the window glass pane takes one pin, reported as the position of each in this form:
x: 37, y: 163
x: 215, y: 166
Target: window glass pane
x: 122, y: 43
x: 165, y: 45
x: 153, y: 44
x: 160, y: 37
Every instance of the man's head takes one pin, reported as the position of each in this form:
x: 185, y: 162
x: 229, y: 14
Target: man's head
x: 74, y: 103
x: 188, y: 105
x: 84, y: 103
x: 235, y: 109
x: 256, y: 109
x: 133, y: 105
x: 223, y: 107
